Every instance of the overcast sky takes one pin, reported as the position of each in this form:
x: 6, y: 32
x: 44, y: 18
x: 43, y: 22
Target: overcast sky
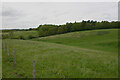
x: 60, y: 0
x: 19, y: 15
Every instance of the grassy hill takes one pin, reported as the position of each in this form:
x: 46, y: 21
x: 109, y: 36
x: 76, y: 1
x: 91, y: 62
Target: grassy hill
x: 105, y: 40
x: 83, y: 54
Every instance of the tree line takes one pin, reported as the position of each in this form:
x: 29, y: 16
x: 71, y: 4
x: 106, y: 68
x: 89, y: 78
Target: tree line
x: 47, y: 29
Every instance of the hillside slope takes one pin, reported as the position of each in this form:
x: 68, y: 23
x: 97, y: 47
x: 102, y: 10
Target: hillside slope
x: 63, y: 56
x: 104, y: 40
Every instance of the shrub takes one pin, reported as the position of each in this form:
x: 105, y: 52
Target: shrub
x: 5, y: 36
x: 21, y: 37
x: 30, y: 37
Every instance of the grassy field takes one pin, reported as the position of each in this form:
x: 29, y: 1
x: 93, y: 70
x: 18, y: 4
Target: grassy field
x: 23, y: 34
x: 105, y: 40
x: 26, y: 34
x: 83, y: 54
x: 0, y: 58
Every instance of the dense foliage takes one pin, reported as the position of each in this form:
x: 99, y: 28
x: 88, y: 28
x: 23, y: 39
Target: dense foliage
x: 49, y: 29
x: 46, y: 30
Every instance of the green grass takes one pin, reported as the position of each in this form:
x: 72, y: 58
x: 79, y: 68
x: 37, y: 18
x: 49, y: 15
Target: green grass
x: 24, y: 34
x: 105, y: 40
x: 83, y: 54
x: 0, y: 59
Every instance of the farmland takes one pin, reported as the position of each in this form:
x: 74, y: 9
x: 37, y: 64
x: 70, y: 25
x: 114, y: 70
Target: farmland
x: 82, y: 54
x: 0, y: 59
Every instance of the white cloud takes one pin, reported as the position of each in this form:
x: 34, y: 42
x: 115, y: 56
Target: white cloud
x: 31, y: 14
x: 60, y: 0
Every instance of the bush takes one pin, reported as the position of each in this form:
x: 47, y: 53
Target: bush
x: 21, y: 37
x: 11, y: 34
x: 30, y: 37
x: 5, y: 36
